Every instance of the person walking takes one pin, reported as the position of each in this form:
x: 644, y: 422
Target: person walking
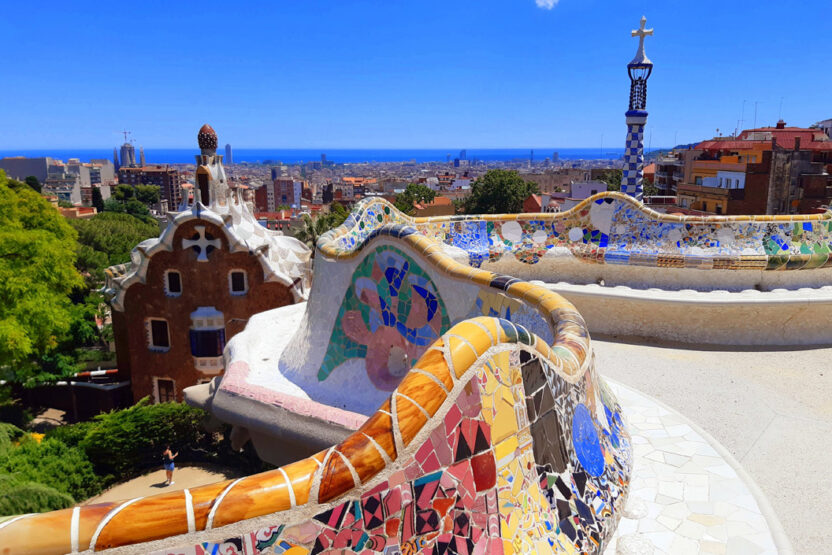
x: 167, y: 458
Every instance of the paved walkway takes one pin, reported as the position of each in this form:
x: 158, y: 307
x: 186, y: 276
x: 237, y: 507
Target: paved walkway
x: 687, y: 494
x: 153, y: 483
x: 771, y: 410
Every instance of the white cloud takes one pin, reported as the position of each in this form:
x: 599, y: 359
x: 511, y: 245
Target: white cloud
x: 546, y: 4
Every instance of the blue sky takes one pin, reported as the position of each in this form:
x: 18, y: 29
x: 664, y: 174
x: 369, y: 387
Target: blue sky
x: 402, y: 74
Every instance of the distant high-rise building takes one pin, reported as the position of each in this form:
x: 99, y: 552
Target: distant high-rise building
x: 229, y: 158
x: 116, y: 165
x: 463, y: 154
x: 531, y: 157
x: 163, y: 176
x: 128, y: 155
x: 20, y: 168
x: 555, y: 156
x: 141, y: 156
x: 323, y: 159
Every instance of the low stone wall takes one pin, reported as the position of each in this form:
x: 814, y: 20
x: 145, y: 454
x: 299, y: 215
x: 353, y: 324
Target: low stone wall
x: 779, y: 317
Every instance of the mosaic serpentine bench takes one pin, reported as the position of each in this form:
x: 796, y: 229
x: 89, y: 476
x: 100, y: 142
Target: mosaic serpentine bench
x: 485, y: 427
x: 613, y: 231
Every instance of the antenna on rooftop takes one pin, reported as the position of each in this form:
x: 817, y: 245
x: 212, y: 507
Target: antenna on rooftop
x: 742, y: 117
x: 126, y: 133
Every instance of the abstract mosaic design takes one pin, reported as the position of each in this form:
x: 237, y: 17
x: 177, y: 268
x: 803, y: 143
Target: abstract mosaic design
x: 500, y: 473
x: 611, y: 228
x: 391, y: 312
x: 495, y: 438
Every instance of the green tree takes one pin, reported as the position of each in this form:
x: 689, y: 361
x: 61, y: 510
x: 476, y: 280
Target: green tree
x: 19, y: 496
x: 132, y: 207
x: 112, y: 205
x: 65, y: 204
x: 337, y: 214
x: 612, y: 178
x: 414, y: 193
x: 97, y: 199
x: 33, y: 182
x: 37, y: 274
x: 148, y: 194
x: 124, y: 443
x: 498, y: 192
x: 312, y: 229
x: 650, y: 189
x: 107, y: 239
x: 138, y: 209
x: 67, y: 469
x: 123, y: 193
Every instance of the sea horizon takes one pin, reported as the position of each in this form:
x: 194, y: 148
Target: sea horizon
x: 337, y: 155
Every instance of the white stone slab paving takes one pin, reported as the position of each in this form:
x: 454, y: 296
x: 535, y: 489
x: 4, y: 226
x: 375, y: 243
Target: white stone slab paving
x: 688, y: 495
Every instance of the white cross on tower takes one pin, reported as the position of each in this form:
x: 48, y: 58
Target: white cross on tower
x: 641, y: 57
x: 202, y: 243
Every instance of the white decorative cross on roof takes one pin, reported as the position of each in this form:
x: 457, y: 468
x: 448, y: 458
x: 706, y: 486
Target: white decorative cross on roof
x: 641, y: 32
x: 202, y: 243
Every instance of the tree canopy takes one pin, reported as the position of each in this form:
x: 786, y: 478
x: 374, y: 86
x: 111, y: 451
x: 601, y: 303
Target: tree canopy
x: 37, y: 275
x: 97, y: 199
x: 107, y: 239
x: 337, y: 214
x: 414, y: 193
x: 612, y: 178
x: 123, y: 193
x: 313, y: 228
x: 33, y: 182
x: 498, y: 192
x: 148, y: 194
x: 132, y: 207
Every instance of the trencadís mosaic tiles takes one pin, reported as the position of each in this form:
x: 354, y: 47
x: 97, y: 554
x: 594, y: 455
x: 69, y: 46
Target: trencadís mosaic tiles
x: 612, y: 228
x: 501, y: 473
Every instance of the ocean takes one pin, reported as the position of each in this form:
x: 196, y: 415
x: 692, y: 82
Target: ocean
x: 338, y: 155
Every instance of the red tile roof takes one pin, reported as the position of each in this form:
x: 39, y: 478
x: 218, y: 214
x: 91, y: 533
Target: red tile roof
x: 810, y: 139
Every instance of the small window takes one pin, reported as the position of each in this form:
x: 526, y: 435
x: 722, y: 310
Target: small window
x: 698, y: 181
x: 165, y: 390
x: 238, y: 282
x: 173, y: 283
x: 158, y: 337
x: 207, y: 343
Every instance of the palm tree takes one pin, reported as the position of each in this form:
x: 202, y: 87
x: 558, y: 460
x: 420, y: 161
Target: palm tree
x: 312, y: 230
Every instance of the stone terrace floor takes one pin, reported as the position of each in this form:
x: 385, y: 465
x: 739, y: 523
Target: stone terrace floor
x: 686, y: 497
x: 771, y: 409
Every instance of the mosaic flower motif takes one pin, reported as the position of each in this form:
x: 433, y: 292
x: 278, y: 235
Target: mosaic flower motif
x: 390, y: 314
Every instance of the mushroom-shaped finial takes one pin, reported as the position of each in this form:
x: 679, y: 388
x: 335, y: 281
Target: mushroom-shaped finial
x: 207, y: 138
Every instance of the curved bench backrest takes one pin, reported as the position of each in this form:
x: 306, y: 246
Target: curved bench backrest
x: 612, y: 228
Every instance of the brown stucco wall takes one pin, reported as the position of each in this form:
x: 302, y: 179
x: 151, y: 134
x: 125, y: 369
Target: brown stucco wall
x: 203, y: 284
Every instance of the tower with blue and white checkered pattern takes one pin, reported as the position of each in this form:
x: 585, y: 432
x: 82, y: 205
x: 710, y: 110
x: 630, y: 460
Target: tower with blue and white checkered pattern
x: 639, y: 70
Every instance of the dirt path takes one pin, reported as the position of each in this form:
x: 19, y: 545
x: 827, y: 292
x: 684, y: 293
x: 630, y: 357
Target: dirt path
x: 153, y: 483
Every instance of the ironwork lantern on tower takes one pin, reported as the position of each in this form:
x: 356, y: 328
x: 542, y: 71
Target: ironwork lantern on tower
x: 640, y: 69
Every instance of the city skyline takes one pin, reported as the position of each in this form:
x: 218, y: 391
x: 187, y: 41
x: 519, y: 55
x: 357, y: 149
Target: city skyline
x: 375, y: 76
